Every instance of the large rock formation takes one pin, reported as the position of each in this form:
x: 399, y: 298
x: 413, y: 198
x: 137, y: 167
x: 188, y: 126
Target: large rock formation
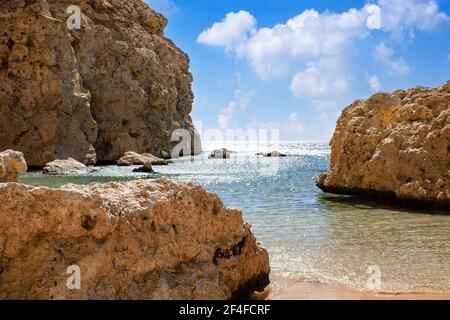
x: 115, y: 85
x: 133, y: 158
x: 139, y: 240
x: 12, y: 163
x: 394, y: 145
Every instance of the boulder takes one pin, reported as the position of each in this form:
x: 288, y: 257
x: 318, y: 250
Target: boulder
x: 146, y: 168
x: 223, y: 153
x: 12, y: 163
x: 91, y: 94
x: 133, y: 158
x: 394, y: 145
x: 139, y: 240
x: 66, y: 167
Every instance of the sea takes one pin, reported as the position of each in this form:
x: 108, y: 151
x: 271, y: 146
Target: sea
x: 311, y: 236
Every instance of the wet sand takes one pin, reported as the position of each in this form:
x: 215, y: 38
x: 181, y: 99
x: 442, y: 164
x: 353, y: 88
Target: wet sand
x: 320, y: 291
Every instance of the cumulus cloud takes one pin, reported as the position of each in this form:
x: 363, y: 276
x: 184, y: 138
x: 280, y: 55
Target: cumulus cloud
x: 230, y: 31
x: 316, y: 81
x: 403, y: 17
x: 312, y: 35
x: 373, y: 82
x: 239, y: 104
x: 386, y: 54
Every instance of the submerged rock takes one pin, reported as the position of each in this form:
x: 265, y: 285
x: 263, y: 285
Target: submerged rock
x: 133, y: 158
x: 394, y: 145
x: 146, y: 168
x: 116, y: 84
x: 223, y: 153
x: 66, y: 167
x: 12, y: 163
x: 139, y: 240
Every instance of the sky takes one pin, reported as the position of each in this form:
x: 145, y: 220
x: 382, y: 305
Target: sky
x: 295, y: 65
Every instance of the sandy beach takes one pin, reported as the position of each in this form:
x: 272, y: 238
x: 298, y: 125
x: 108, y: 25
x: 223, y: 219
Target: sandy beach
x: 320, y: 291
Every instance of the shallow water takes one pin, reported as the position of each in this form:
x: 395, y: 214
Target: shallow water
x: 311, y: 236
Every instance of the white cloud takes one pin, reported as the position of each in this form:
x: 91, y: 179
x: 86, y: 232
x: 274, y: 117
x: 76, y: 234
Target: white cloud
x: 274, y: 51
x: 230, y: 31
x: 166, y: 7
x: 315, y: 81
x: 239, y: 104
x: 373, y: 82
x: 403, y: 17
x: 386, y: 54
x: 312, y: 35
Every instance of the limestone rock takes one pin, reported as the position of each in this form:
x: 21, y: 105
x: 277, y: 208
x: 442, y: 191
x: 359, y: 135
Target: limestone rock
x: 12, y: 163
x: 221, y: 154
x: 146, y: 168
x: 115, y: 85
x: 395, y: 145
x: 139, y: 240
x: 133, y: 158
x: 66, y: 167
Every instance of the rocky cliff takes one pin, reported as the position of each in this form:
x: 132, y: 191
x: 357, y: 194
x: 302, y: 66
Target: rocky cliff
x: 92, y: 94
x: 394, y: 145
x: 139, y: 240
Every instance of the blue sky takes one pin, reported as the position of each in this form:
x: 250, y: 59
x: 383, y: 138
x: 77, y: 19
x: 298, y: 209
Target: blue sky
x: 294, y: 65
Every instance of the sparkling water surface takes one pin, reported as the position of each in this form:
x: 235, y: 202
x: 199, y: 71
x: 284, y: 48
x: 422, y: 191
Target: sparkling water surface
x: 310, y: 236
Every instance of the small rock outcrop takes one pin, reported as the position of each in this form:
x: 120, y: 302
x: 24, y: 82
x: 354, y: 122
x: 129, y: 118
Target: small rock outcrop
x: 394, y: 145
x: 66, y: 167
x: 113, y: 85
x: 138, y: 240
x: 12, y: 163
x: 146, y: 168
x: 133, y: 158
x: 223, y: 153
x: 273, y: 154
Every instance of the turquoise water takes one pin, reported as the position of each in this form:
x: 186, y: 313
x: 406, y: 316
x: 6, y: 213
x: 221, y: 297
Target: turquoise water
x: 311, y: 236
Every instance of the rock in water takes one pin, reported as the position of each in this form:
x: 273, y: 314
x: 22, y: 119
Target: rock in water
x: 66, y: 167
x: 395, y: 145
x: 223, y: 153
x: 115, y: 85
x: 146, y: 168
x: 139, y: 240
x: 133, y: 158
x: 12, y: 163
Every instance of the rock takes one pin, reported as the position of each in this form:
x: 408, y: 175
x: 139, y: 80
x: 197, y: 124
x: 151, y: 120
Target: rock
x: 146, y: 168
x: 223, y: 153
x: 133, y: 158
x: 139, y: 240
x: 273, y: 154
x: 394, y: 145
x: 115, y: 85
x: 66, y: 168
x: 12, y: 163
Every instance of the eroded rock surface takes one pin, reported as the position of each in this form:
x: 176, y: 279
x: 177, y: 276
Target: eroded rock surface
x: 66, y: 167
x: 115, y: 85
x: 394, y: 145
x: 139, y: 240
x: 133, y: 158
x: 12, y: 163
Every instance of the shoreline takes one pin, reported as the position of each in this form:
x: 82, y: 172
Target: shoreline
x: 321, y: 291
